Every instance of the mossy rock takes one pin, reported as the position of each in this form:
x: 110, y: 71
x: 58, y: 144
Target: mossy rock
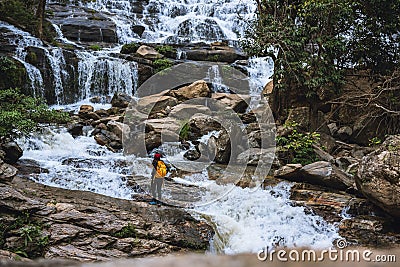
x: 12, y: 73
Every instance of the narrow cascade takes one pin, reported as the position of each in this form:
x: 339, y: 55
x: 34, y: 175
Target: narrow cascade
x: 260, y: 72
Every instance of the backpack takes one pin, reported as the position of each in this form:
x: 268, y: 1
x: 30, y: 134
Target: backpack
x: 161, y: 169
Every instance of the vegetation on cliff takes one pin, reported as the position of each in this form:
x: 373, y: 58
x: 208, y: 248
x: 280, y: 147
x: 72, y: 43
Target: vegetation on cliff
x: 20, y: 114
x: 317, y: 45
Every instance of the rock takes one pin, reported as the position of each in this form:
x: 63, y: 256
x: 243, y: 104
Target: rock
x: 192, y: 154
x: 118, y: 128
x: 186, y: 111
x: 75, y: 129
x: 378, y: 176
x: 161, y: 125
x: 12, y: 152
x: 344, y: 133
x: 7, y: 172
x: 215, y: 54
x: 319, y: 173
x: 148, y: 52
x: 86, y: 227
x: 332, y: 128
x: 121, y: 100
x: 368, y: 231
x: 194, y: 90
x: 222, y: 145
x: 138, y: 29
x: 252, y: 156
x: 201, y: 124
x: 300, y: 115
x: 237, y: 102
x: 155, y: 103
x: 289, y: 172
x: 85, y: 109
x: 268, y: 88
x: 101, y: 139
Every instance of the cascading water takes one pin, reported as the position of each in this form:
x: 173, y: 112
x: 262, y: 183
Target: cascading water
x: 102, y: 75
x: 245, y: 220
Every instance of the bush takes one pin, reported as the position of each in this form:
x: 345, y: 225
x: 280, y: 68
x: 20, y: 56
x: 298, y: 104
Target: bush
x: 95, y: 47
x: 129, y: 48
x: 165, y: 49
x: 299, y: 146
x: 20, y: 114
x: 162, y: 64
x: 12, y: 73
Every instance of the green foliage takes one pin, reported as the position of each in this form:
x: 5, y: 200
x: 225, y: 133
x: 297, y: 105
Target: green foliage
x: 129, y: 48
x: 95, y: 47
x: 31, y: 232
x: 299, y: 146
x: 20, y: 114
x: 12, y: 73
x: 374, y: 141
x: 313, y: 42
x: 213, y: 58
x: 163, y: 49
x: 185, y: 131
x: 127, y: 231
x: 162, y: 64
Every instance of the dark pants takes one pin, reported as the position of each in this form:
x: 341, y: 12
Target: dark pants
x: 156, y: 185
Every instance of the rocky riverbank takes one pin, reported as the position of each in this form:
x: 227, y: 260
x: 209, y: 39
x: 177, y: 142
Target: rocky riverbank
x: 42, y: 221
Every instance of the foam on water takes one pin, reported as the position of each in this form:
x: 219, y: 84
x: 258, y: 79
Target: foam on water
x: 248, y: 221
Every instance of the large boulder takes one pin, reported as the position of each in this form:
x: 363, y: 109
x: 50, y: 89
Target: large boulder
x: 378, y: 176
x: 12, y: 152
x: 121, y: 100
x: 238, y: 103
x: 185, y: 111
x: 148, y: 52
x: 318, y: 173
x: 194, y: 90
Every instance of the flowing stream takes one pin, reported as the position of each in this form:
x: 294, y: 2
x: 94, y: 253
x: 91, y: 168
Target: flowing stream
x: 245, y: 220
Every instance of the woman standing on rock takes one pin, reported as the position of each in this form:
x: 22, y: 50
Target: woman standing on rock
x: 160, y: 170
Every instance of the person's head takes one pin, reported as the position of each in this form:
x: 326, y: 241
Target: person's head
x: 157, y: 156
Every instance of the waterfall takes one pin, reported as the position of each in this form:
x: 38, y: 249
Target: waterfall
x: 101, y: 74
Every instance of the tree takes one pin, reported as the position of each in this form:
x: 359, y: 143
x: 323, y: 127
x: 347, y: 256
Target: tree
x: 40, y: 14
x: 313, y: 43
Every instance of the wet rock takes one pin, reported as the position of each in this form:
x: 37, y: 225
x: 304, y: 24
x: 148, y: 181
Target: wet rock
x: 121, y: 100
x: 201, y: 124
x: 379, y: 174
x: 12, y: 152
x: 194, y: 90
x: 192, y: 154
x: 138, y: 29
x: 216, y: 54
x: 222, y: 145
x: 148, y: 52
x: 75, y: 129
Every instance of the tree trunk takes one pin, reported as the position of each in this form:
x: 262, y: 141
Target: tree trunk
x: 40, y: 13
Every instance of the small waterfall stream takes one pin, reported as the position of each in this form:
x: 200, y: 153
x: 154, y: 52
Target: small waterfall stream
x: 245, y: 220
